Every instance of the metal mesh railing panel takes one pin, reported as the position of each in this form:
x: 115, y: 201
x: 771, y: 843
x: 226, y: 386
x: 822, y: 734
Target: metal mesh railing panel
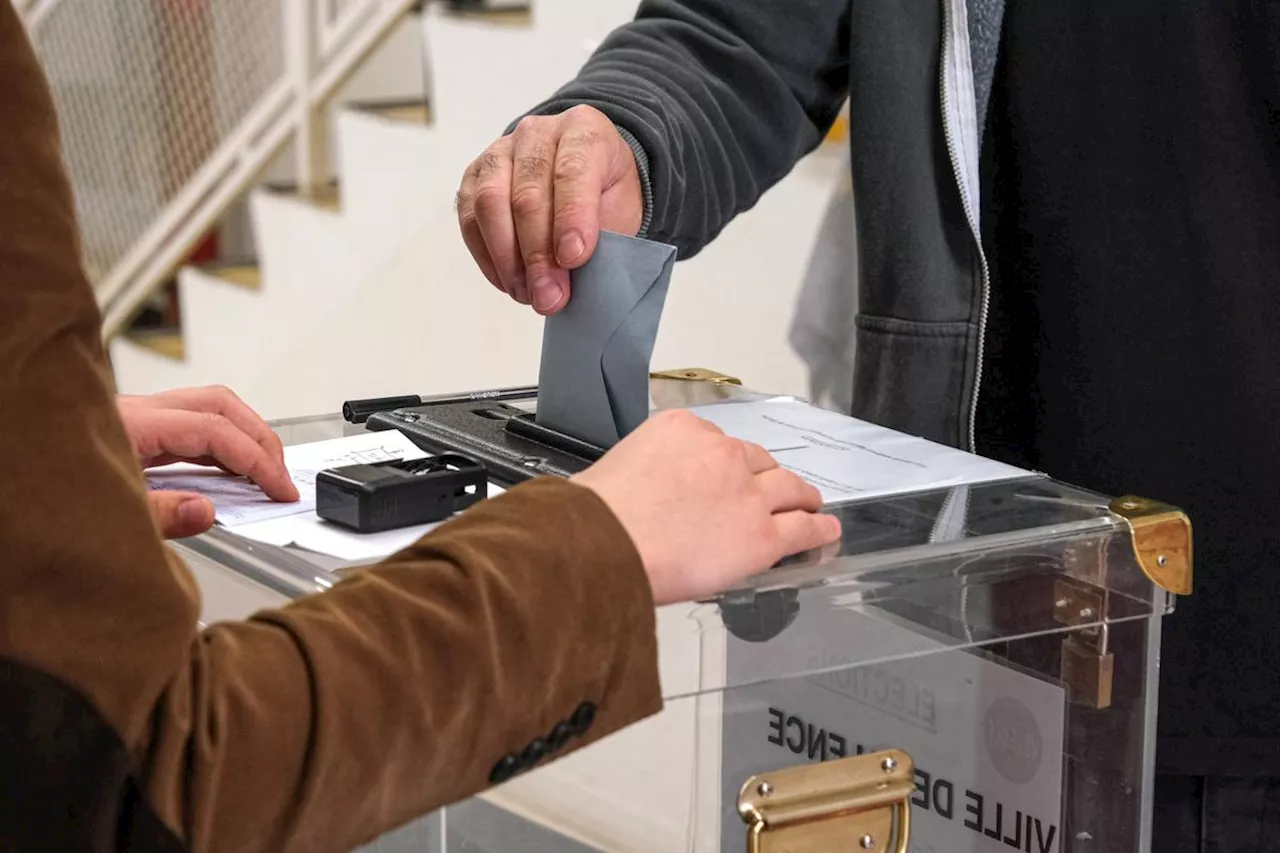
x: 147, y: 90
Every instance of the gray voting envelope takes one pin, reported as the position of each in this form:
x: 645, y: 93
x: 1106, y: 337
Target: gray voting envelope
x: 593, y: 383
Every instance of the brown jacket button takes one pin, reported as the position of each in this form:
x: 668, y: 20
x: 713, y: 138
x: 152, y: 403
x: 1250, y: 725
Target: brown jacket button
x: 560, y: 735
x: 582, y: 718
x: 504, y: 770
x: 534, y: 752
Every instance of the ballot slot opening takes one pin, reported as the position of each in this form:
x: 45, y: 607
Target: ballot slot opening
x: 505, y: 438
x: 526, y: 427
x: 496, y: 413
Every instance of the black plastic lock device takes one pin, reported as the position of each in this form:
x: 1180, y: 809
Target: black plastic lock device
x: 399, y: 493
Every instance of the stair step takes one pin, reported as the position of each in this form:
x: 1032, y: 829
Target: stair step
x: 246, y: 274
x: 326, y: 197
x: 165, y: 342
x: 166, y: 338
x: 507, y: 12
x: 411, y: 111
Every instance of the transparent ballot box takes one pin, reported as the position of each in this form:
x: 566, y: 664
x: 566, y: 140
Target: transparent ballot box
x: 973, y: 669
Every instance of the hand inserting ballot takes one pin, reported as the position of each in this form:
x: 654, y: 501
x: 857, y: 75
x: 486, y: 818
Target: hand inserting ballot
x: 531, y: 207
x: 705, y: 510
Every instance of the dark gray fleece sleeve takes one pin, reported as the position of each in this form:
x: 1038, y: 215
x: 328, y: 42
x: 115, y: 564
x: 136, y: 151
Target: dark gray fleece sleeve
x: 719, y: 99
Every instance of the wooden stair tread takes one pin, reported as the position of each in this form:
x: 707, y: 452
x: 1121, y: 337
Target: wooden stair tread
x: 165, y: 342
x: 326, y: 197
x: 412, y: 111
x: 248, y: 275
x: 510, y: 16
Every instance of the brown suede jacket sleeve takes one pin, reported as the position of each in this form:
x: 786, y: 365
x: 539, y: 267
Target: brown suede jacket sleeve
x: 310, y: 728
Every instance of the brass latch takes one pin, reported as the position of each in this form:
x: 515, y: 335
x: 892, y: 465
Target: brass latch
x: 696, y: 374
x: 857, y: 803
x: 1161, y: 541
x: 1088, y: 664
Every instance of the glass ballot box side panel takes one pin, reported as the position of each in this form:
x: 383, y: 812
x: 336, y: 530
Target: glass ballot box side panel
x: 1012, y: 658
x: 1002, y: 634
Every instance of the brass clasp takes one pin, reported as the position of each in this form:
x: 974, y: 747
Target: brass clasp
x: 696, y: 374
x: 857, y: 803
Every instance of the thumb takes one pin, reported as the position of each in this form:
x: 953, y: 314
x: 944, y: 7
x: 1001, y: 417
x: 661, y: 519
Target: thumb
x: 592, y: 159
x: 180, y: 514
x: 580, y: 181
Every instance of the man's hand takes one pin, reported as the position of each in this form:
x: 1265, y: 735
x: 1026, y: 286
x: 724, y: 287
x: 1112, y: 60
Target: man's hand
x: 711, y: 513
x: 532, y: 205
x: 206, y: 426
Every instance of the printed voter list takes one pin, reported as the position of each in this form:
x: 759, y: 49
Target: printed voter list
x: 846, y: 458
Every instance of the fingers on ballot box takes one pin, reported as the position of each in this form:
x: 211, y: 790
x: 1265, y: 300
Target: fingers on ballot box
x: 972, y: 670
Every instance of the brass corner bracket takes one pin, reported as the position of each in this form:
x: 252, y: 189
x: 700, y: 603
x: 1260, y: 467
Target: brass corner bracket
x: 857, y: 803
x: 1161, y: 541
x: 696, y: 374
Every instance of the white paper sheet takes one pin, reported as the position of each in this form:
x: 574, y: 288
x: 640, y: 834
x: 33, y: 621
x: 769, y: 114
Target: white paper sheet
x: 310, y: 531
x: 242, y: 507
x: 847, y: 458
x: 237, y: 501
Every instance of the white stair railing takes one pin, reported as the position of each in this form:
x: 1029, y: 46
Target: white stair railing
x: 171, y: 109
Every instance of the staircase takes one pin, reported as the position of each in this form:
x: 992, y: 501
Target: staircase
x: 368, y: 290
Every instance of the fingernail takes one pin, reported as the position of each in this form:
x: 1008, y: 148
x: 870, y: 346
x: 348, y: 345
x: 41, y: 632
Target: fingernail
x: 193, y: 513
x: 546, y: 294
x: 520, y: 290
x: 571, y: 248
